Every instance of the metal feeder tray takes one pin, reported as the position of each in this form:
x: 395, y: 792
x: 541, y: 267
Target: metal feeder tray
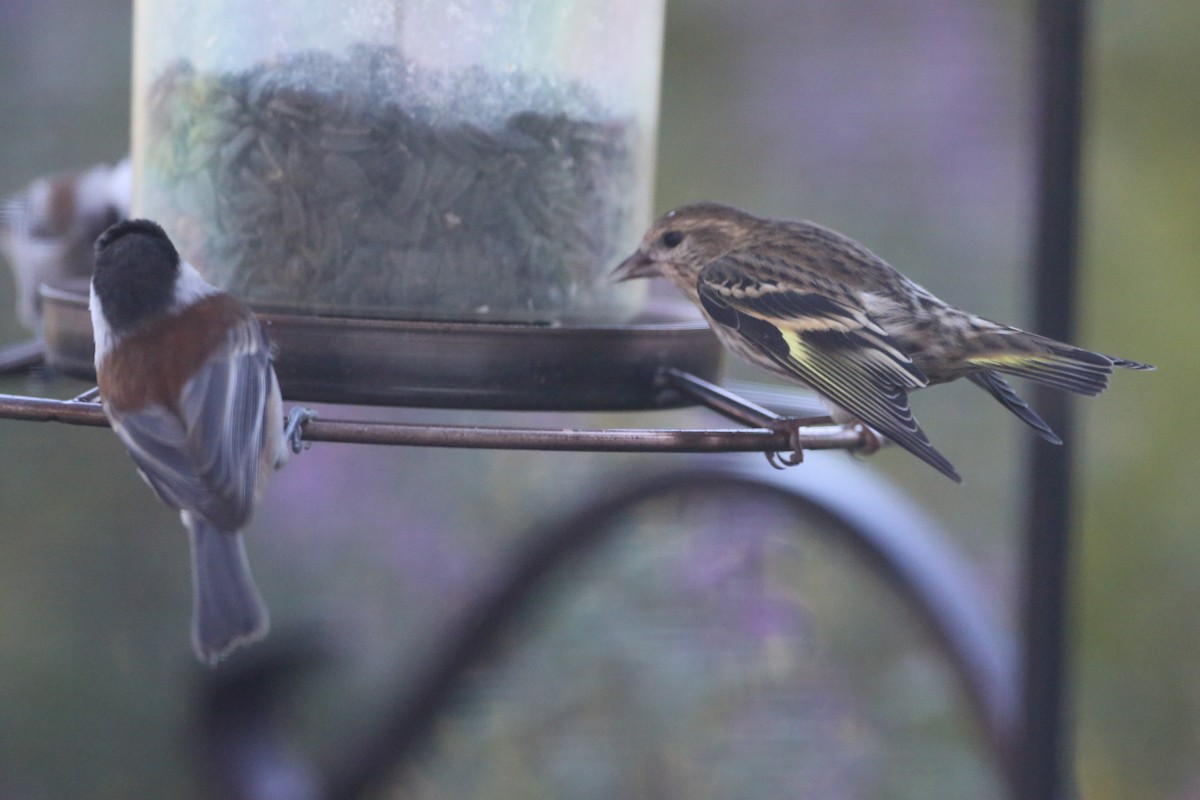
x: 433, y: 364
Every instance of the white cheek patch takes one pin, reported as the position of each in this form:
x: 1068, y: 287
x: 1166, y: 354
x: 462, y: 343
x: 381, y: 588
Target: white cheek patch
x: 191, y: 286
x: 101, y: 332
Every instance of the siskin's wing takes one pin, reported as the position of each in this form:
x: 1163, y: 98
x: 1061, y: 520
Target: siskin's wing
x: 204, y: 456
x: 828, y: 344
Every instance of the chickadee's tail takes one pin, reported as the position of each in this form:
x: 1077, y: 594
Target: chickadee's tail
x: 227, y: 609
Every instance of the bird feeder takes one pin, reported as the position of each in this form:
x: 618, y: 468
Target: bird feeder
x: 402, y: 159
x: 403, y: 175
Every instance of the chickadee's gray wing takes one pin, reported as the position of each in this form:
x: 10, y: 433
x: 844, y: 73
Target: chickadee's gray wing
x: 205, y: 458
x: 224, y: 408
x: 157, y: 441
x: 829, y: 343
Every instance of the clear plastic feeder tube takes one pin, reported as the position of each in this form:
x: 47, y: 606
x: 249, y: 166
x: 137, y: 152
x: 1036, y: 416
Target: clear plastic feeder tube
x: 405, y: 159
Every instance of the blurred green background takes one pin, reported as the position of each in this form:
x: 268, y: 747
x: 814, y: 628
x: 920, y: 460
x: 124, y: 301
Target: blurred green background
x: 906, y: 125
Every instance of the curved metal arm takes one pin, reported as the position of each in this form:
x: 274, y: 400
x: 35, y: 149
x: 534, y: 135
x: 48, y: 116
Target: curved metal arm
x: 892, y: 537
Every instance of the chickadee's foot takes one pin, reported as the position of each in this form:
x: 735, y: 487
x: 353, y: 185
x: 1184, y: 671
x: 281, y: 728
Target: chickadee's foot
x: 90, y: 396
x: 294, y: 428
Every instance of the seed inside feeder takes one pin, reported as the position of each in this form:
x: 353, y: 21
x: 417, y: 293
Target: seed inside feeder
x: 335, y: 185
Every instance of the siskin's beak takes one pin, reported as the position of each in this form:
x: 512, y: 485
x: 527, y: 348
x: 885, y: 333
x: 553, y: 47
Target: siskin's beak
x: 638, y: 265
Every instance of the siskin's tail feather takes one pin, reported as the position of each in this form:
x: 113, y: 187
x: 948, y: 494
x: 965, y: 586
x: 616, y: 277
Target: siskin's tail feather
x: 1053, y: 363
x: 227, y: 610
x: 999, y: 389
x: 1127, y: 364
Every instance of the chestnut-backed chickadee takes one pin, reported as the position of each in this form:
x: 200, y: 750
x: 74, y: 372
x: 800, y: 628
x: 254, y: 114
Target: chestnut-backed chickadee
x: 47, y: 231
x: 184, y: 372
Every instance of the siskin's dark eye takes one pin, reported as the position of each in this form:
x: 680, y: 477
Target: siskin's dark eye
x: 671, y: 239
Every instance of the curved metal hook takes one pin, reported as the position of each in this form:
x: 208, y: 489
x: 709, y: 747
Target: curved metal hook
x: 896, y: 540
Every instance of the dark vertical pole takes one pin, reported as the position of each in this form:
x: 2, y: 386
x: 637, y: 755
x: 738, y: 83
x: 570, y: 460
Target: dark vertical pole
x: 1044, y: 744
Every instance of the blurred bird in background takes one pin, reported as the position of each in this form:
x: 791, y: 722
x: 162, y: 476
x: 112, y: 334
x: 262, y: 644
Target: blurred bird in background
x: 817, y: 308
x: 49, y: 229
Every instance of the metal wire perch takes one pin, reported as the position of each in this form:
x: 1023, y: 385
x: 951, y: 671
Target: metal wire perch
x: 769, y: 433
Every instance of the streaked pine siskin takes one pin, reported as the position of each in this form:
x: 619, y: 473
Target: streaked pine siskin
x: 818, y: 308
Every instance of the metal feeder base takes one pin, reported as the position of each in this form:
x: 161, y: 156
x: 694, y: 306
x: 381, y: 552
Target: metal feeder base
x: 508, y: 366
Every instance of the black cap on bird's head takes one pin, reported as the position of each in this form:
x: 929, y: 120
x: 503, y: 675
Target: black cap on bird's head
x: 136, y: 269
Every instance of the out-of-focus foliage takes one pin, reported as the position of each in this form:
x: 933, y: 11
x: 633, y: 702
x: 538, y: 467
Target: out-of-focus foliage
x: 1138, y: 695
